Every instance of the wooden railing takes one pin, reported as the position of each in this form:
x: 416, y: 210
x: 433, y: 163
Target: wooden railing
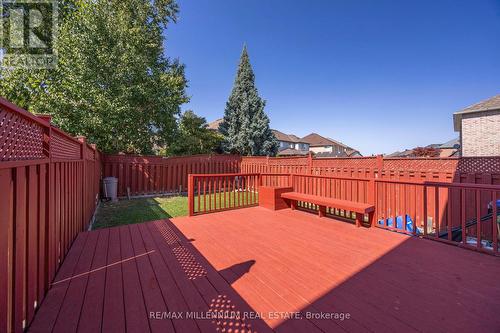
x: 49, y: 186
x: 445, y: 212
x: 208, y: 193
x: 435, y: 210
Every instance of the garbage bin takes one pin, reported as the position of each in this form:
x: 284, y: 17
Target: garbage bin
x: 110, y: 187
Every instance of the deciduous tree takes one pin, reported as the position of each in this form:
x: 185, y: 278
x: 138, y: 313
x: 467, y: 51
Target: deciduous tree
x: 193, y: 137
x: 113, y: 82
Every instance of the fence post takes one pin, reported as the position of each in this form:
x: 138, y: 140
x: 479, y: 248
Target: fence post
x: 310, y: 163
x: 372, y: 199
x: 380, y: 163
x: 83, y: 141
x: 190, y: 195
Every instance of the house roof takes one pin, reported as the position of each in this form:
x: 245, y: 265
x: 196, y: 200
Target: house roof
x: 405, y: 153
x: 214, y: 125
x: 280, y: 136
x: 455, y: 143
x: 316, y: 140
x: 292, y: 152
x: 347, y: 153
x: 489, y: 104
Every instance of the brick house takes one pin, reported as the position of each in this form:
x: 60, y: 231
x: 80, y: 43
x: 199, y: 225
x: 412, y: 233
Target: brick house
x: 479, y: 127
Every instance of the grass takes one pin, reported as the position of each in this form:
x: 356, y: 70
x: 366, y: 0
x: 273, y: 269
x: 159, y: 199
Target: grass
x: 123, y: 212
x: 223, y: 200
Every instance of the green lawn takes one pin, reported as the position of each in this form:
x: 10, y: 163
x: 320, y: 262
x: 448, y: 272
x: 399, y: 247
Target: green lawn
x: 224, y: 200
x: 112, y: 214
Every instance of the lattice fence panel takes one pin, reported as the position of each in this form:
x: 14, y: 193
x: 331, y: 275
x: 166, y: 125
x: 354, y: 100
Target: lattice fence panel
x: 363, y: 162
x: 64, y: 148
x: 479, y: 164
x: 20, y: 138
x: 421, y: 164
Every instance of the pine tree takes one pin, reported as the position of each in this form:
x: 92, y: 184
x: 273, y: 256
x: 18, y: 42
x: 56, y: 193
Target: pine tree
x: 246, y: 126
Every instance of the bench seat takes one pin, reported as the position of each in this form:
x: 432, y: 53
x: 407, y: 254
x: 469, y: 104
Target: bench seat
x: 359, y: 208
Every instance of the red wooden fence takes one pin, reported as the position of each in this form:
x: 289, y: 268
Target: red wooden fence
x: 49, y: 185
x: 482, y: 170
x: 145, y: 175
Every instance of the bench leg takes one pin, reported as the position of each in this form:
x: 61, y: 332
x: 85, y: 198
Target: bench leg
x: 293, y: 204
x: 359, y: 219
x: 322, y: 211
x: 371, y: 219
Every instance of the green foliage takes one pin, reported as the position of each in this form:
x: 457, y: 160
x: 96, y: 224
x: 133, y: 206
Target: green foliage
x: 246, y: 126
x: 113, y: 83
x: 193, y: 137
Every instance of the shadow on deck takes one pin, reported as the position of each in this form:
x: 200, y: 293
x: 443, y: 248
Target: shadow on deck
x: 283, y: 271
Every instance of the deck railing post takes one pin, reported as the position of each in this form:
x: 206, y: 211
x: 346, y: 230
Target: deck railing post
x: 425, y: 210
x: 191, y: 194
x: 372, y: 199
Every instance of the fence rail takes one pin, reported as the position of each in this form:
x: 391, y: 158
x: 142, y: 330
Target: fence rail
x: 210, y: 193
x: 49, y: 185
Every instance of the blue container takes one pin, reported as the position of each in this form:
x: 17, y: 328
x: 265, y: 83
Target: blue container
x: 409, y: 223
x: 390, y: 222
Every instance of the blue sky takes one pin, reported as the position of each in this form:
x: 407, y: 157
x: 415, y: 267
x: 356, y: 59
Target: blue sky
x: 377, y: 75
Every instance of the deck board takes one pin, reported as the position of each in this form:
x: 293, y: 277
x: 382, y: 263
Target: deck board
x: 94, y: 294
x: 46, y: 316
x: 113, y: 316
x: 136, y: 316
x: 255, y: 260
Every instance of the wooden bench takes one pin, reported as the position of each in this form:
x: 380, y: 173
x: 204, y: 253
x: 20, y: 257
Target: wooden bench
x: 359, y: 208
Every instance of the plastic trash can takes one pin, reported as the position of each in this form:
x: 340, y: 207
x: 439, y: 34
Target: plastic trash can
x: 110, y: 188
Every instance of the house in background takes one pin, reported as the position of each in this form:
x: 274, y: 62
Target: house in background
x: 347, y: 153
x: 479, y: 127
x: 290, y: 145
x: 214, y: 125
x: 450, y: 148
x: 447, y: 149
x: 326, y: 147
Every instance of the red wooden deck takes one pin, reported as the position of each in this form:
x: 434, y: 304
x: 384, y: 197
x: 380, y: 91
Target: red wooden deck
x: 272, y: 264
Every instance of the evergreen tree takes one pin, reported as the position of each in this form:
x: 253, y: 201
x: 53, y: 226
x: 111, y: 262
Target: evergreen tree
x: 245, y: 126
